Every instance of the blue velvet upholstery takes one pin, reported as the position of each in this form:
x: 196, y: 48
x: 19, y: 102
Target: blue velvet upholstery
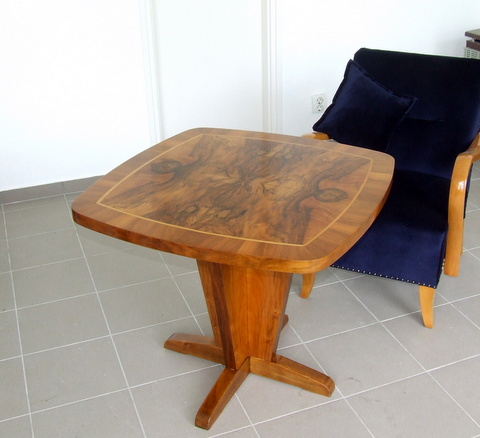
x: 381, y: 110
x: 407, y: 240
x: 446, y: 117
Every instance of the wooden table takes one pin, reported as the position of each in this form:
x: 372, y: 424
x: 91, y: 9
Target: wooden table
x: 252, y: 208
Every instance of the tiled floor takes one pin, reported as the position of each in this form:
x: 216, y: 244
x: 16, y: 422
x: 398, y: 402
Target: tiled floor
x: 83, y: 318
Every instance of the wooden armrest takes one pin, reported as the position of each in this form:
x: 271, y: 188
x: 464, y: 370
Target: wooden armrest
x: 474, y: 149
x: 456, y: 206
x: 317, y: 135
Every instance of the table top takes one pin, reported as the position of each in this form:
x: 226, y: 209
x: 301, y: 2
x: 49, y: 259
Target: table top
x: 269, y: 201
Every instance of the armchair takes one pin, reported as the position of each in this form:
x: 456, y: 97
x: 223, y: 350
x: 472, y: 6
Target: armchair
x: 424, y: 110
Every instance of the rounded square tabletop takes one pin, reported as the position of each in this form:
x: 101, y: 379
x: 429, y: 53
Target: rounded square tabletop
x: 269, y: 201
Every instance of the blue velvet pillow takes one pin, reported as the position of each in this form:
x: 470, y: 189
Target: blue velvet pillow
x: 363, y: 112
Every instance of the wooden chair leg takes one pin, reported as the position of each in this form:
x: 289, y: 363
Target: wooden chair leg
x: 454, y: 249
x: 427, y: 296
x: 307, y: 285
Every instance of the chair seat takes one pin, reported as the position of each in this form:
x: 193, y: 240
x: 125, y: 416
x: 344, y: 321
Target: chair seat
x: 407, y: 240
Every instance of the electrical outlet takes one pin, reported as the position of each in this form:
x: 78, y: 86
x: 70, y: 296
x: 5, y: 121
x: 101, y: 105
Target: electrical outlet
x: 319, y: 103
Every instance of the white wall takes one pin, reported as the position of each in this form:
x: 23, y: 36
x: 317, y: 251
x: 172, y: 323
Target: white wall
x: 72, y: 91
x: 318, y: 38
x: 72, y: 80
x: 209, y: 63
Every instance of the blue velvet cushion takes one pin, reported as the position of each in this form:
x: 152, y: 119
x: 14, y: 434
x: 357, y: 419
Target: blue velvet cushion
x: 407, y: 240
x: 446, y: 116
x: 363, y: 112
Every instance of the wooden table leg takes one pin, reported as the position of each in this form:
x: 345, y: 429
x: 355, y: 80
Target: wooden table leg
x: 221, y: 393
x: 288, y: 371
x: 203, y: 347
x: 247, y: 312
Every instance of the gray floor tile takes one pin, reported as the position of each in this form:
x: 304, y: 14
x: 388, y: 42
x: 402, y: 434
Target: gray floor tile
x: 178, y: 265
x: 344, y: 274
x: 18, y: 428
x: 45, y: 248
x: 72, y: 373
x: 9, y: 342
x: 94, y: 243
x: 111, y: 415
x: 416, y: 407
x: 248, y: 432
x: 142, y: 305
x: 462, y: 382
x: 176, y: 413
x: 474, y: 194
x: 52, y: 282
x: 386, y: 298
x: 61, y: 323
x: 6, y: 292
x: 467, y: 283
x: 470, y: 308
x: 13, y: 401
x: 34, y: 193
x: 4, y: 257
x: 36, y: 220
x: 144, y: 358
x: 204, y: 323
x: 356, y: 363
x: 334, y: 419
x: 328, y: 310
x: 471, y: 206
x: 34, y: 203
x: 70, y: 197
x: 3, y: 234
x: 475, y: 253
x: 288, y: 337
x: 124, y: 268
x: 326, y: 276
x: 191, y: 288
x: 472, y: 230
x: 452, y: 339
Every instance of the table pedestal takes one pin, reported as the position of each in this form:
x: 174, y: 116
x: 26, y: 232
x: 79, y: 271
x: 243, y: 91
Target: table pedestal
x: 247, y: 313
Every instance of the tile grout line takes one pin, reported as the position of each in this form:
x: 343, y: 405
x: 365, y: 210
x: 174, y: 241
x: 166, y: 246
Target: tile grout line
x: 248, y: 417
x: 110, y: 335
x: 473, y: 255
x: 235, y: 430
x: 381, y: 323
x: 84, y: 341
x: 51, y: 408
x: 463, y: 314
x: 47, y: 264
x: 181, y: 293
x: 43, y: 233
x: 116, y: 391
x: 342, y: 396
x: 58, y: 347
x: 430, y: 371
x: 346, y: 398
x: 101, y: 292
x: 19, y: 334
x: 454, y: 400
x: 359, y: 417
x: 426, y: 370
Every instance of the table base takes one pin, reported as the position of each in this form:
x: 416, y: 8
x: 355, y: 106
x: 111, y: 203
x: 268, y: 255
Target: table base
x: 247, y: 312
